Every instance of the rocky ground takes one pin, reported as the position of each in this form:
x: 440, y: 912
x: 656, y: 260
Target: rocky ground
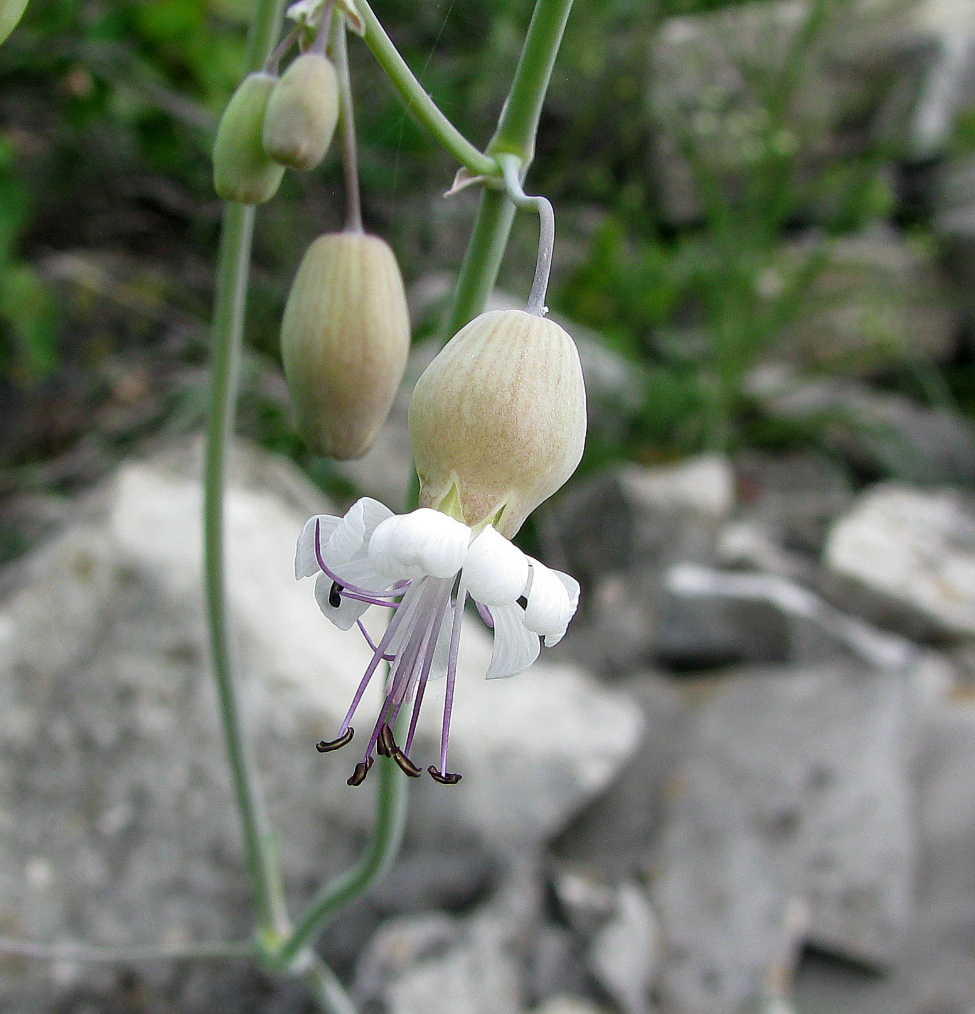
x: 742, y: 783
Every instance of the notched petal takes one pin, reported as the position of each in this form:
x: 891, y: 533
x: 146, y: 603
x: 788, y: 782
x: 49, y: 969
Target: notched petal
x: 306, y: 559
x: 549, y: 606
x: 496, y: 572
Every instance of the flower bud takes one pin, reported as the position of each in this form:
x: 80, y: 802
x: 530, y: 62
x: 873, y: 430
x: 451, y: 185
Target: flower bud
x: 344, y: 341
x: 242, y: 171
x: 11, y: 11
x: 498, y: 419
x: 302, y: 113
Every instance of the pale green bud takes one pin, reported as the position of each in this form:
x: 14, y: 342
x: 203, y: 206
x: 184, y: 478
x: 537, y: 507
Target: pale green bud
x: 242, y: 170
x: 498, y: 419
x: 302, y: 113
x: 11, y: 11
x: 344, y: 342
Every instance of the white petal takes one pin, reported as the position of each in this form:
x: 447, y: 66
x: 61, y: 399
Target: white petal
x: 549, y: 605
x: 496, y: 572
x: 384, y: 554
x: 346, y: 613
x: 424, y: 542
x: 572, y: 590
x: 515, y: 647
x: 306, y: 561
x: 352, y: 534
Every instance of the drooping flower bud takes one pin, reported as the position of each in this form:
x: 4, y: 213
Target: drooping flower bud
x: 242, y: 170
x: 11, y: 11
x: 302, y: 113
x: 344, y: 341
x: 498, y: 419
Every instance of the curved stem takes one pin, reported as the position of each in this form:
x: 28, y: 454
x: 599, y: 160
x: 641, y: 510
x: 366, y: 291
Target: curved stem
x: 227, y: 333
x: 417, y: 100
x: 512, y: 168
x: 387, y: 834
x: 515, y: 135
x: 350, y: 151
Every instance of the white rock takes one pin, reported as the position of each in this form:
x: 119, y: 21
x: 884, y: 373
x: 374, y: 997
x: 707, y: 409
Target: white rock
x: 915, y: 549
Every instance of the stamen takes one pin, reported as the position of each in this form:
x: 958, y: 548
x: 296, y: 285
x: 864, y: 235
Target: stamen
x: 327, y: 745
x: 372, y: 644
x: 335, y: 595
x: 386, y: 745
x: 406, y: 764
x: 452, y: 654
x: 397, y: 589
x: 401, y: 615
x: 522, y: 601
x: 358, y: 776
x: 445, y: 779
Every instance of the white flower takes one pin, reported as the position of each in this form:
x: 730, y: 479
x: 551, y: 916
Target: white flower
x: 422, y: 566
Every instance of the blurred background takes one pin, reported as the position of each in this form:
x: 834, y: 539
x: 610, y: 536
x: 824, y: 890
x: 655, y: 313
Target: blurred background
x: 766, y: 252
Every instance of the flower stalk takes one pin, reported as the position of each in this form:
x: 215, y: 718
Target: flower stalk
x: 515, y: 135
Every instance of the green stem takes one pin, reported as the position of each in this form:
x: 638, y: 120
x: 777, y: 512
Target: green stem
x: 227, y: 334
x: 479, y: 271
x: 417, y: 100
x: 228, y: 319
x: 515, y: 135
x: 384, y: 843
x: 519, y: 118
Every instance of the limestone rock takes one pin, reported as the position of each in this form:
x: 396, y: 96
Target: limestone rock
x: 789, y: 824
x: 908, y: 558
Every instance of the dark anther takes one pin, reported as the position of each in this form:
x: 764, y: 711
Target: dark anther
x: 522, y: 600
x: 328, y: 745
x: 447, y: 779
x: 335, y: 595
x: 361, y: 770
x: 406, y: 764
x: 385, y: 744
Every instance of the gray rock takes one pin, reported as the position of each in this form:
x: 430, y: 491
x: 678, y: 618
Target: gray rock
x: 877, y: 302
x: 437, y: 965
x: 116, y: 822
x: 935, y: 968
x: 611, y: 839
x: 881, y: 433
x: 789, y: 823
x: 620, y: 532
x: 706, y: 81
x: 908, y: 559
x: 625, y: 953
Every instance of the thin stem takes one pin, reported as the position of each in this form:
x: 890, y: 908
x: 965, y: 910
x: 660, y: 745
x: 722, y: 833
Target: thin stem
x: 512, y: 169
x: 70, y: 950
x: 515, y: 135
x: 387, y: 834
x: 417, y: 101
x: 279, y: 52
x: 519, y: 117
x: 227, y: 334
x: 326, y: 989
x: 350, y: 151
